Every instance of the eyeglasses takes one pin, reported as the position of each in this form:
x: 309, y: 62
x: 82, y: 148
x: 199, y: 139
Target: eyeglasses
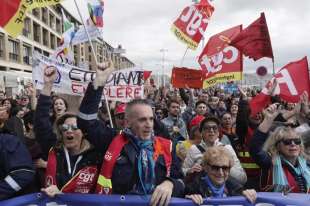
x: 159, y: 113
x: 209, y: 127
x: 67, y: 127
x: 287, y: 142
x: 217, y: 168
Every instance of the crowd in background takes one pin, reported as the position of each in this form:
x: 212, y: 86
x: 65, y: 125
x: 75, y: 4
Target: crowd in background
x: 217, y: 148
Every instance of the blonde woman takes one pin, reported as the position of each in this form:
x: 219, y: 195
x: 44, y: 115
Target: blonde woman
x: 281, y: 156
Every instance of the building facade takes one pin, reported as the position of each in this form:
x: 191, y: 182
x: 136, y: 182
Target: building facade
x: 42, y: 32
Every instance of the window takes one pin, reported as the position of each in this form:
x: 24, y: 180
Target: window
x: 58, y: 26
x: 45, y: 37
x: 2, y: 46
x: 36, y: 32
x: 44, y: 15
x: 13, y: 50
x: 52, y: 22
x: 27, y: 28
x: 26, y: 54
x: 36, y: 12
x: 53, y: 45
x: 82, y: 51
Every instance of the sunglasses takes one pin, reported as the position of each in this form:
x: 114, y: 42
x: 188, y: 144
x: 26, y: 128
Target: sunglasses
x: 208, y: 128
x: 296, y: 141
x: 217, y: 168
x: 159, y: 113
x: 67, y: 127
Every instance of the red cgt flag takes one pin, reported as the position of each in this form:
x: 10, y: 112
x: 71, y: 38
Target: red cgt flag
x: 218, y: 56
x: 292, y: 80
x: 254, y: 41
x: 192, y: 23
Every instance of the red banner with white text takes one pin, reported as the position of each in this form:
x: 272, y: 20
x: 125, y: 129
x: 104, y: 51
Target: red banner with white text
x: 192, y: 23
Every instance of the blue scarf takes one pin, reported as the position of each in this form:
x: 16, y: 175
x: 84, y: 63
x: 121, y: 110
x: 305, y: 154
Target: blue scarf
x: 279, y: 179
x: 216, y: 191
x: 146, y: 164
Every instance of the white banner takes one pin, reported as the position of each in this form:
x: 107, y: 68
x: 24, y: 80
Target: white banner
x: 70, y: 80
x: 125, y: 84
x: 122, y: 85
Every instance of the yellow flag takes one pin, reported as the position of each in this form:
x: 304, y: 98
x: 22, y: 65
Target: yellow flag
x: 16, y: 23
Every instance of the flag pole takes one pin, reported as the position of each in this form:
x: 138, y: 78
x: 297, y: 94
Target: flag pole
x: 183, y: 56
x: 96, y: 61
x: 273, y: 69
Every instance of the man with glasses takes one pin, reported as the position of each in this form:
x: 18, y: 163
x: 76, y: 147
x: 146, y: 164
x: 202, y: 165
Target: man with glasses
x: 209, y: 129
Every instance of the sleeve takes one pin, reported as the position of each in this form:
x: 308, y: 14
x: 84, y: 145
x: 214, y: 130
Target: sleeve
x: 96, y: 132
x: 237, y: 172
x: 17, y: 167
x: 242, y: 122
x: 191, y: 158
x: 176, y: 176
x: 184, y: 96
x: 43, y: 127
x: 262, y: 158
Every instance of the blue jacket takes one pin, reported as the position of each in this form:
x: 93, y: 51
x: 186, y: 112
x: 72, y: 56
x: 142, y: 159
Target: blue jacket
x: 16, y: 170
x: 124, y: 176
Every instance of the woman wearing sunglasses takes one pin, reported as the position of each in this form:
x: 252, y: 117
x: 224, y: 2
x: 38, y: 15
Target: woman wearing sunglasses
x: 72, y: 164
x: 213, y: 180
x: 281, y: 157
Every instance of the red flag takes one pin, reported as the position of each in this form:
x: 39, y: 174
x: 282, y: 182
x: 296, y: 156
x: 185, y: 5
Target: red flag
x: 192, y: 23
x: 292, y: 80
x: 146, y: 75
x: 254, y: 41
x: 8, y: 9
x: 218, y: 56
x: 183, y: 76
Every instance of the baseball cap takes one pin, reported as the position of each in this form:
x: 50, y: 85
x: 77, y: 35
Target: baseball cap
x: 120, y: 109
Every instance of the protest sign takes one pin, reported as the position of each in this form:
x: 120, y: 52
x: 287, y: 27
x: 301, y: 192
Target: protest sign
x: 122, y: 85
x: 183, y: 76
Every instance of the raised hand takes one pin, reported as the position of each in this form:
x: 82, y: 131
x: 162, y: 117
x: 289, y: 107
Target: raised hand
x: 50, y: 75
x: 102, y: 73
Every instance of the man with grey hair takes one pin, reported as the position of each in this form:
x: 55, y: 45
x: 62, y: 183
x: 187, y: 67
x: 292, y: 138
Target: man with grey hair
x: 135, y: 161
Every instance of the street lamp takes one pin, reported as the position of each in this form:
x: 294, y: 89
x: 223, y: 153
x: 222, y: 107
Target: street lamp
x: 163, y: 65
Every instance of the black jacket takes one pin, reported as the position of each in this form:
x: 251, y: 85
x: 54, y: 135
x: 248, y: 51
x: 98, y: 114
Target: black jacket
x: 124, y: 176
x: 16, y: 170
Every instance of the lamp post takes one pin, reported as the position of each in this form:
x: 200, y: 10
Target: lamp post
x: 163, y: 65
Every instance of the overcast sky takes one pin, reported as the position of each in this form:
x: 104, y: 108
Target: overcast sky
x: 142, y: 27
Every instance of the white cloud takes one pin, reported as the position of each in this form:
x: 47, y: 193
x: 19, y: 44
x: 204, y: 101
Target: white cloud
x: 142, y: 27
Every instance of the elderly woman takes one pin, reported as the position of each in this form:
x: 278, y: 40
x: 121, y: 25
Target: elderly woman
x: 212, y: 180
x: 73, y: 163
x: 281, y: 157
x: 210, y: 131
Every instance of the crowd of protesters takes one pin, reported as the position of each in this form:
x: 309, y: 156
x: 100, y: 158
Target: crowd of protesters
x: 190, y: 143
